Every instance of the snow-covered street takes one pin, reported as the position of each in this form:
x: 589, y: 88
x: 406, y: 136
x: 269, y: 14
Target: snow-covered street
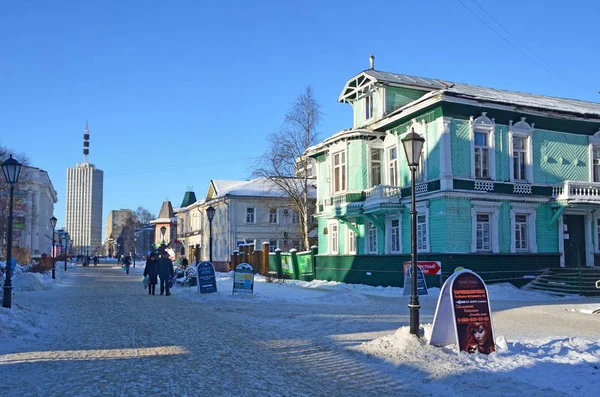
x: 97, y: 332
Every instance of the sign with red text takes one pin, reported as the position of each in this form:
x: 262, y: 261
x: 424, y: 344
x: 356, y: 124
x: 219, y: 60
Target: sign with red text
x: 430, y: 268
x: 463, y: 315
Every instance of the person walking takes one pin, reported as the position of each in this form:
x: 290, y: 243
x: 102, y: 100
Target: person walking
x: 151, y: 270
x: 127, y: 263
x: 165, y: 271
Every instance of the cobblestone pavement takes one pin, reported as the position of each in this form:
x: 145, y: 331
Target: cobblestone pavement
x: 106, y: 336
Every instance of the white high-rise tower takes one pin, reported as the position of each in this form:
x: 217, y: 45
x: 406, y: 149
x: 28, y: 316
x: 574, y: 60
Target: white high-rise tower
x: 85, y: 188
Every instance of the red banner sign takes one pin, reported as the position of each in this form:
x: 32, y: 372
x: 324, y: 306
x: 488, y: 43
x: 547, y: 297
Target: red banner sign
x: 429, y: 268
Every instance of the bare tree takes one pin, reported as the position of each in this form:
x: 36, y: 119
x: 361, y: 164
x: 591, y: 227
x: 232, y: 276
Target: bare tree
x: 285, y: 164
x: 142, y: 216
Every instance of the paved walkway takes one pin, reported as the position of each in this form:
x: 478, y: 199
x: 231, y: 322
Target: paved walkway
x: 108, y: 337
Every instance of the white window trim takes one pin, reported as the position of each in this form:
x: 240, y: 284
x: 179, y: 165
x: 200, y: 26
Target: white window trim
x: 246, y: 215
x: 276, y: 217
x: 485, y: 207
x: 388, y: 233
x: 333, y: 150
x: 349, y: 246
x: 521, y: 129
x: 368, y: 238
x: 486, y: 125
x: 390, y: 142
x: 333, y: 250
x: 523, y: 209
x: 376, y: 144
x: 423, y: 208
x: 594, y: 141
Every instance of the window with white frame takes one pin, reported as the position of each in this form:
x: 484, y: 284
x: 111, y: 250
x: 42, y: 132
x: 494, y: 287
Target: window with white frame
x: 484, y: 216
x: 351, y: 242
x: 596, y: 163
x: 295, y: 216
x: 522, y: 220
x: 273, y: 218
x: 371, y: 238
x: 521, y: 162
x: 376, y: 169
x: 598, y: 235
x: 272, y: 245
x: 521, y: 243
x: 393, y: 179
x: 422, y: 233
x: 395, y: 235
x: 482, y: 233
x: 482, y: 146
x: 482, y: 155
x: 339, y: 172
x: 333, y: 238
x: 250, y: 215
x: 368, y: 106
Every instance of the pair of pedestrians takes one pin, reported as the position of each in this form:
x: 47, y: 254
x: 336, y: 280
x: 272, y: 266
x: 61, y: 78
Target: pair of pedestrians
x: 162, y: 267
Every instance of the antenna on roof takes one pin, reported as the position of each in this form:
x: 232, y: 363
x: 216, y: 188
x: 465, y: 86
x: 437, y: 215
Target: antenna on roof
x: 372, y: 62
x: 86, y: 143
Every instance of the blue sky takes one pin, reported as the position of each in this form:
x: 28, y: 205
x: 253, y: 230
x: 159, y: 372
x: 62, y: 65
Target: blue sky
x: 181, y: 92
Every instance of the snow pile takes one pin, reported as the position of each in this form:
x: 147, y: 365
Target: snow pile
x: 29, y: 282
x: 540, y: 363
x: 20, y: 323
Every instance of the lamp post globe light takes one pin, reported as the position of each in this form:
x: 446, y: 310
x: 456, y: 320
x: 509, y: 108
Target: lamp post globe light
x: 11, y: 169
x: 53, y: 224
x: 210, y: 213
x: 413, y: 145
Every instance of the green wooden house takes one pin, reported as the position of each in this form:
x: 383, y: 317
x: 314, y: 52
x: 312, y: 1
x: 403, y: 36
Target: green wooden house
x: 508, y: 184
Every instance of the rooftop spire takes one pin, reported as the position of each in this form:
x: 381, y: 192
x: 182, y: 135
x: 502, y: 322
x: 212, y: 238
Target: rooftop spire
x: 86, y: 143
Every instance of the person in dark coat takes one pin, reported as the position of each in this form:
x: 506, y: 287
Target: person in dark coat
x: 165, y: 271
x: 127, y: 263
x: 151, y: 270
x: 184, y: 262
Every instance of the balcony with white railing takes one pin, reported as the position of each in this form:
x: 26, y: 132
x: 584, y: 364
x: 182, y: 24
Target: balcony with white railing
x: 383, y: 194
x: 577, y: 191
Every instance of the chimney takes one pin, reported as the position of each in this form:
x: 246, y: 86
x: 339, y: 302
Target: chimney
x: 372, y: 62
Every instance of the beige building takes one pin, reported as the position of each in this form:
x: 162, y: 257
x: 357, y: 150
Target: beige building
x: 116, y: 241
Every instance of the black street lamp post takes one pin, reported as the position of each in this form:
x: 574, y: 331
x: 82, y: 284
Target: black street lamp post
x: 210, y: 213
x: 66, y: 249
x: 413, y: 144
x: 197, y: 253
x: 134, y: 249
x: 53, y: 224
x: 11, y: 169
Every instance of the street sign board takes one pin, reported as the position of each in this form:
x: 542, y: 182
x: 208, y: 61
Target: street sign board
x: 207, y: 281
x: 421, y: 284
x: 463, y: 315
x: 243, y: 279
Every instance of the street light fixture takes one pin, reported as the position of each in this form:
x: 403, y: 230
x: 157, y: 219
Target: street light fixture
x: 53, y: 224
x: 163, y: 230
x: 210, y: 213
x: 413, y: 145
x: 11, y: 169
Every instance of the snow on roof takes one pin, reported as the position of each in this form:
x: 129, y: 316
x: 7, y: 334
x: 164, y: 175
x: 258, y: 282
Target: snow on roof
x: 260, y: 187
x: 565, y: 105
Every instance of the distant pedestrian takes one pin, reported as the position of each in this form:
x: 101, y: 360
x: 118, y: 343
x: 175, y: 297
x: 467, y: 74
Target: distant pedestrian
x: 127, y: 263
x: 165, y: 272
x: 151, y: 270
x: 184, y: 262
